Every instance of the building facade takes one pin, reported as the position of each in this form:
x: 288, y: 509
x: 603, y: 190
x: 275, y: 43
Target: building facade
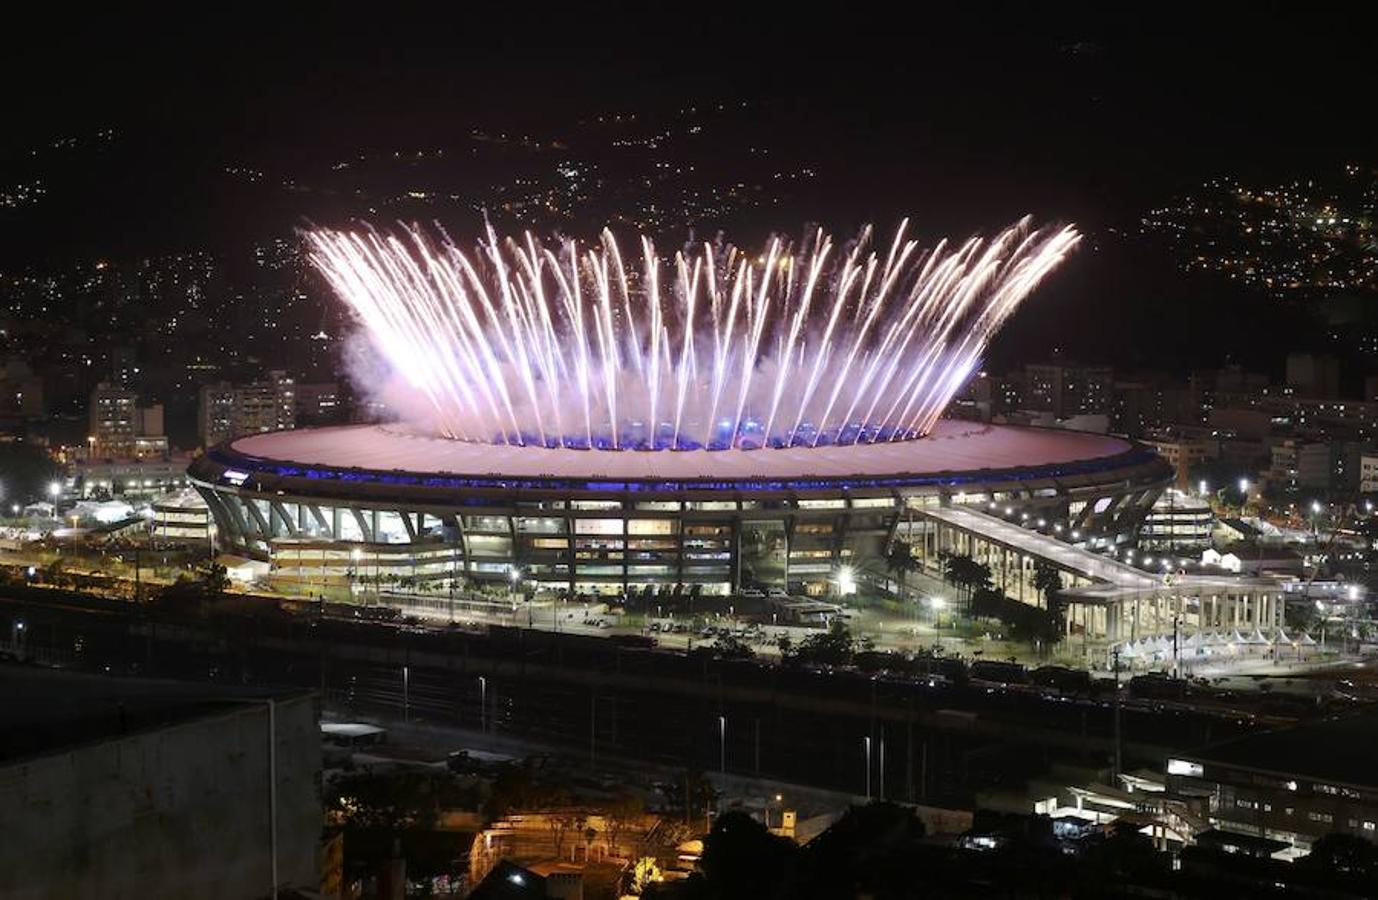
x: 122, y: 429
x: 1178, y: 524
x: 139, y: 788
x: 1068, y: 389
x: 1293, y: 785
x: 135, y: 478
x: 227, y: 411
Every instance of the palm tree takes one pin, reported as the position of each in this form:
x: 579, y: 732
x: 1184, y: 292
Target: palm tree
x: 900, y: 561
x: 1046, y: 580
x: 966, y: 573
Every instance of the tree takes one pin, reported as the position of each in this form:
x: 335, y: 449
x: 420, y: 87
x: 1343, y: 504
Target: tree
x: 394, y: 802
x: 28, y: 471
x: 988, y: 602
x: 966, y: 573
x: 55, y: 573
x: 215, y: 580
x: 834, y: 647
x: 1125, y: 853
x: 869, y: 852
x: 741, y: 858
x: 729, y: 646
x: 645, y: 873
x: 1344, y: 853
x: 900, y: 561
x: 692, y: 793
x: 621, y: 813
x: 1047, y: 579
x: 516, y: 788
x: 561, y: 823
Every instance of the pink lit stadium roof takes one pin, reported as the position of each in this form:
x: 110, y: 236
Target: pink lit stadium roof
x: 953, y: 446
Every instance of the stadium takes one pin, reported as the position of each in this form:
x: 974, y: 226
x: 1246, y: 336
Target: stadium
x: 597, y: 421
x: 320, y: 504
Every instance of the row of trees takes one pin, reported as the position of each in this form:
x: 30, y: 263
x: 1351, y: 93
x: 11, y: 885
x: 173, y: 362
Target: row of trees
x: 834, y: 647
x: 879, y: 851
x: 974, y: 581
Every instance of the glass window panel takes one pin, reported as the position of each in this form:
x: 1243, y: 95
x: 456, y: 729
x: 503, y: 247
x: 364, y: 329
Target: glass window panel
x: 651, y: 526
x: 598, y: 526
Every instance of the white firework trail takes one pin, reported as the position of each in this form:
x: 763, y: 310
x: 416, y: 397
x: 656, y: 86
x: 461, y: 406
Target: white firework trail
x: 515, y: 342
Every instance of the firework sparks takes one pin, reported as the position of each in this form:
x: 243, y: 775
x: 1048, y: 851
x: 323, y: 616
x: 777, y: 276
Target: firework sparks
x: 519, y: 342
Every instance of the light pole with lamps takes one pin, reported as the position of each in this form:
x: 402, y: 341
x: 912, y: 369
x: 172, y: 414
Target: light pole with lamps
x: 722, y: 745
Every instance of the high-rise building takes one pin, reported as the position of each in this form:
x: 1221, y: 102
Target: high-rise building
x: 228, y: 411
x: 1068, y: 389
x: 319, y: 403
x: 1300, y: 465
x: 121, y: 428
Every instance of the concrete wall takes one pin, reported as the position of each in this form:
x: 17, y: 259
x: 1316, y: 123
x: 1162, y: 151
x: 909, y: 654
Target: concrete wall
x: 177, y: 812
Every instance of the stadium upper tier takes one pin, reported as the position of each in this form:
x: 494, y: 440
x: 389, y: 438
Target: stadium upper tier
x: 954, y: 453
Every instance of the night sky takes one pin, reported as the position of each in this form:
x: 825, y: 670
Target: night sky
x: 963, y: 121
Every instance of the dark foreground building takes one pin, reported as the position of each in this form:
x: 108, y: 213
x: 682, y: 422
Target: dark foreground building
x: 134, y: 788
x: 1293, y: 785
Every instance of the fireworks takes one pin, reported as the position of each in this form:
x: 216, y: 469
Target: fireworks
x: 560, y: 345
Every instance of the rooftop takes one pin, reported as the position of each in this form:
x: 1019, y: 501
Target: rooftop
x: 45, y: 711
x: 1113, y: 578
x: 1330, y: 750
x: 953, y: 446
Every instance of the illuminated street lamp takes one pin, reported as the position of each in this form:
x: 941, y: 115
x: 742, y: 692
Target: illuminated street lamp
x: 779, y: 798
x: 938, y: 604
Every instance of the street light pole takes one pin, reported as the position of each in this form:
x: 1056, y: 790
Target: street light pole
x: 482, y: 705
x: 1116, y: 654
x: 881, y: 785
x: 722, y: 745
x: 866, y: 742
